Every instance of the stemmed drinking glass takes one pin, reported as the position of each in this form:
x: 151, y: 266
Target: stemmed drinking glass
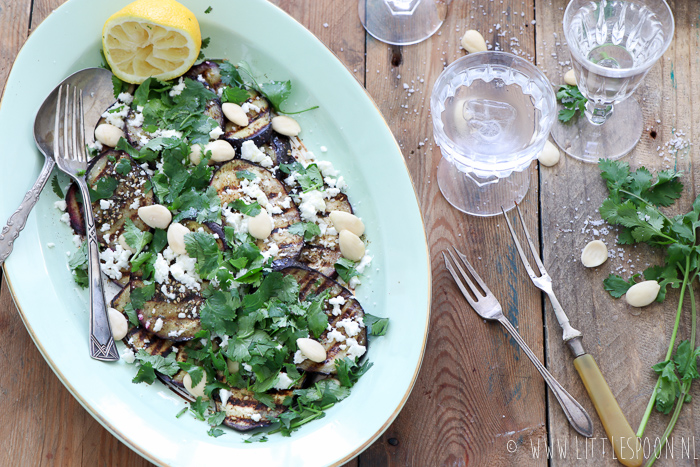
x: 613, y: 45
x: 492, y: 112
x: 402, y: 22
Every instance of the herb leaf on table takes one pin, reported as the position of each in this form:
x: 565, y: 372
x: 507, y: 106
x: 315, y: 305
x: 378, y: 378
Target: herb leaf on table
x: 572, y: 100
x: 633, y: 203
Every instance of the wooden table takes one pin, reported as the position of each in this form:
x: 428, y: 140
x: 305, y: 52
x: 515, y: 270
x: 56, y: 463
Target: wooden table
x: 477, y: 400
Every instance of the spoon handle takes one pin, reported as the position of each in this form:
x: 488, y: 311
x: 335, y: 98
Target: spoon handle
x: 18, y: 219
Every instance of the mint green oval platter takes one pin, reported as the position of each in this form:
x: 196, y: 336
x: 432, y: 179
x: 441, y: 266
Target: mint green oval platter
x: 360, y: 145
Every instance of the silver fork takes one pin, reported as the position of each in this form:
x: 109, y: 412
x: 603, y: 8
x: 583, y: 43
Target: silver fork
x: 487, y: 306
x: 613, y: 419
x: 71, y: 158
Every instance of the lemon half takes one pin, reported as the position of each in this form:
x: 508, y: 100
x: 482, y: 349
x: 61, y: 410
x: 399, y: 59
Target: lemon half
x: 151, y: 38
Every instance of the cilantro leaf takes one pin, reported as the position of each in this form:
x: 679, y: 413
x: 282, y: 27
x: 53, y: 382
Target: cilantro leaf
x: 245, y: 174
x: 123, y: 167
x: 140, y: 295
x: 135, y: 237
x: 669, y: 386
x: 308, y: 230
x: 56, y: 187
x: 234, y: 95
x: 118, y: 86
x: 349, y: 372
x: 346, y: 269
x: 617, y: 286
x: 252, y: 209
x: 103, y: 189
x: 310, y: 178
x: 571, y: 100
x: 203, y: 247
x: 316, y: 317
x: 376, y: 326
x: 208, y: 10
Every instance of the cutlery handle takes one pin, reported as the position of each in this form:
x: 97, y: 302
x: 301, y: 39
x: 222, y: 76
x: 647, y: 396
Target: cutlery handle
x: 575, y: 413
x: 102, y: 345
x: 627, y: 446
x: 18, y: 219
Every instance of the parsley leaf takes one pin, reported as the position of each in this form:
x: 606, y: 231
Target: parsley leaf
x: 140, y: 295
x: 310, y: 178
x: 349, y: 372
x: 203, y: 247
x: 118, y: 86
x: 234, y: 95
x: 617, y: 286
x: 316, y: 317
x: 123, y: 167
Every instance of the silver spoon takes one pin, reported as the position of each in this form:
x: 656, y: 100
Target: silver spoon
x: 96, y: 84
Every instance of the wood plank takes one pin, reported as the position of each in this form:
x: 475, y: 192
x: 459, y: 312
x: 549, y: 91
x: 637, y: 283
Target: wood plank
x: 14, y: 28
x: 477, y: 394
x: 624, y: 341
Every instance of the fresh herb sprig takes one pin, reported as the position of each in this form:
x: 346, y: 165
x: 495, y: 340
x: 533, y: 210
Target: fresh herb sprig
x: 633, y: 203
x: 572, y: 100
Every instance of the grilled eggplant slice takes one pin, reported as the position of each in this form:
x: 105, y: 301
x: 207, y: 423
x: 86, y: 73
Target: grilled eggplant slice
x: 230, y: 188
x: 259, y: 128
x: 137, y: 338
x: 312, y: 283
x: 280, y: 151
x: 207, y: 73
x: 241, y: 406
x: 74, y: 208
x: 322, y: 252
x: 130, y: 194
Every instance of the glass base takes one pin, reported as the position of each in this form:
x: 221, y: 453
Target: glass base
x: 615, y: 138
x: 481, y: 197
x: 401, y: 22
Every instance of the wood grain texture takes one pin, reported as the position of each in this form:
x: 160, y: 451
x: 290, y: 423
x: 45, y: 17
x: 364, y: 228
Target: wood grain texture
x: 625, y: 341
x: 476, y: 391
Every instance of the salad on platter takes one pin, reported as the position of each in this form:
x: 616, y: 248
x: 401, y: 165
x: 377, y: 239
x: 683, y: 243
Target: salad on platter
x: 235, y: 249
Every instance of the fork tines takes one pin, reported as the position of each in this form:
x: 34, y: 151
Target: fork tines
x: 522, y: 254
x: 465, y: 277
x: 69, y: 132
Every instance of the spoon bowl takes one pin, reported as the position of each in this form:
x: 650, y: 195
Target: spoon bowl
x: 96, y: 84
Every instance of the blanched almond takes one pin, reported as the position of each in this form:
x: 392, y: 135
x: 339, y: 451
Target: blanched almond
x: 594, y: 254
x: 345, y: 221
x: 311, y: 349
x: 351, y: 247
x: 233, y: 366
x: 198, y: 390
x: 176, y: 238
x: 642, y: 294
x: 108, y: 134
x: 473, y: 41
x: 570, y: 78
x: 260, y: 226
x: 118, y: 323
x: 220, y: 150
x: 286, y: 126
x: 195, y: 154
x: 122, y: 241
x: 235, y: 113
x: 155, y: 216
x: 550, y: 154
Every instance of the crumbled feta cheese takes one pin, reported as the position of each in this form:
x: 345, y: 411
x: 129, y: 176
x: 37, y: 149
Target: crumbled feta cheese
x: 298, y: 357
x: 177, y: 89
x: 77, y: 241
x: 252, y: 189
x: 164, y: 290
x: 283, y: 381
x: 60, y: 205
x: 105, y: 227
x: 238, y: 221
x: 355, y: 349
x: 327, y: 169
x: 311, y: 203
x: 364, y: 262
x: 116, y: 114
x: 106, y: 203
x: 337, y: 302
x: 125, y: 97
x: 50, y: 244
x: 162, y: 268
x: 354, y: 282
x: 112, y: 261
x: 255, y: 417
x: 247, y: 367
x: 135, y: 204
x: 158, y: 326
x: 352, y: 328
x: 250, y: 152
x: 286, y: 202
x: 248, y: 106
x: 215, y: 133
x: 65, y: 218
x: 128, y: 355
x: 335, y: 335
x: 183, y: 272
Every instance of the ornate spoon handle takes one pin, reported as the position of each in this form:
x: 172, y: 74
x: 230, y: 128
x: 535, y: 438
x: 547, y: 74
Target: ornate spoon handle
x: 18, y: 219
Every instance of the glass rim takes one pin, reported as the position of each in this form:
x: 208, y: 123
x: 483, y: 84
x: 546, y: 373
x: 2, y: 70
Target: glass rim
x: 616, y: 72
x: 515, y: 164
